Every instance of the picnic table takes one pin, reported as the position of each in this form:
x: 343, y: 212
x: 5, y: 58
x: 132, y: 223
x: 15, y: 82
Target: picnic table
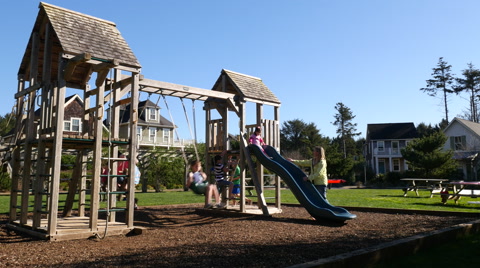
x: 459, y: 189
x: 413, y: 184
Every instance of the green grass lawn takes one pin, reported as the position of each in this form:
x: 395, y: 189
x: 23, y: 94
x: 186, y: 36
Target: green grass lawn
x: 375, y: 198
x: 463, y: 249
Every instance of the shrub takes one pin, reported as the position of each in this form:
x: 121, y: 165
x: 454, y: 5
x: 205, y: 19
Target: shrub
x: 68, y: 162
x: 5, y: 181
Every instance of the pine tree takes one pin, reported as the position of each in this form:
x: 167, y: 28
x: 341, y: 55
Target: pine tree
x: 471, y: 84
x: 442, y: 81
x: 426, y: 156
x: 346, y: 129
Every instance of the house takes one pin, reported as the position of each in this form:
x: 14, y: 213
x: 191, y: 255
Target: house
x: 464, y: 140
x: 153, y: 130
x: 73, y: 117
x: 383, y: 146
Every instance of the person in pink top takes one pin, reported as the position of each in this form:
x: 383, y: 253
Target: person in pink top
x: 256, y: 139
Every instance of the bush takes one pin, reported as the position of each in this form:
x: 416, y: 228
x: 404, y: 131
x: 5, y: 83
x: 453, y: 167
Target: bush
x: 68, y: 162
x: 5, y: 181
x: 163, y: 170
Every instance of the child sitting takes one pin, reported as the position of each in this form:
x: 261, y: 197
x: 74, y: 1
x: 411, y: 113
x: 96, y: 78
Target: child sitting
x: 197, y: 182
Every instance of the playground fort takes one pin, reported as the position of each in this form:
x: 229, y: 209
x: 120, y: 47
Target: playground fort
x: 68, y: 49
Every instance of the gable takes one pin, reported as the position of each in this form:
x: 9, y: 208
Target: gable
x: 248, y: 87
x: 70, y: 34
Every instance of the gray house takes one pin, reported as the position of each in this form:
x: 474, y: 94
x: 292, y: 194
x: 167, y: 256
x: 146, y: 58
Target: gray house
x: 383, y: 146
x: 153, y: 130
x: 464, y: 140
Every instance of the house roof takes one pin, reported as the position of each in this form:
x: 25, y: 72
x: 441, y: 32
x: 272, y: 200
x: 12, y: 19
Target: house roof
x: 390, y: 131
x: 68, y: 101
x: 247, y: 86
x: 73, y: 33
x: 472, y: 126
x: 125, y: 114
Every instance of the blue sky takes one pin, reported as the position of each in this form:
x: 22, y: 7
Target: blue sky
x: 373, y: 56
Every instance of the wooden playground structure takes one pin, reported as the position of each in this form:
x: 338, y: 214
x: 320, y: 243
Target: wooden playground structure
x: 67, y: 49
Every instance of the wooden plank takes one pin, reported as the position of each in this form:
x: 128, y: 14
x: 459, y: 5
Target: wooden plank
x: 153, y: 86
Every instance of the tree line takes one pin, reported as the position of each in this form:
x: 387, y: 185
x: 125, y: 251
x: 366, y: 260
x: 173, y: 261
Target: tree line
x: 345, y: 152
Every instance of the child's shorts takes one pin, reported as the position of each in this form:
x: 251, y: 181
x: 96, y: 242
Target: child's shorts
x: 236, y: 189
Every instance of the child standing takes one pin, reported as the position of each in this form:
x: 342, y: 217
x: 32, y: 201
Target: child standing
x: 236, y: 182
x: 219, y: 171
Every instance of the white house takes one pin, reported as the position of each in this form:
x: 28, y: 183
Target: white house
x: 464, y: 140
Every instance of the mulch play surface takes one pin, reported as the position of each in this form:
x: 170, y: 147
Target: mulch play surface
x: 184, y: 236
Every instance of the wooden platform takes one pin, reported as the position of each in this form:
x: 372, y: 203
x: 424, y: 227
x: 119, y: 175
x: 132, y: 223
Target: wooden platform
x: 249, y: 210
x: 70, y: 228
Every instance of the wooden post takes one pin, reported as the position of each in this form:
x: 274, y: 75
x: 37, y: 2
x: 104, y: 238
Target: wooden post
x: 278, y: 199
x: 19, y: 129
x: 259, y: 118
x: 97, y: 154
x: 133, y: 149
x: 242, y: 163
x: 59, y: 93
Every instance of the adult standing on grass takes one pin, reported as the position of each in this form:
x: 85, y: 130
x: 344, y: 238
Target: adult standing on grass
x: 318, y: 170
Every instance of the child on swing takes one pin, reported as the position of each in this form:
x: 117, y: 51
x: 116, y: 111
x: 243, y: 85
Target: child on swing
x: 197, y: 181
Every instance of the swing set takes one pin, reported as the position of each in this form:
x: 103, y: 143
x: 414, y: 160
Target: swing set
x: 43, y: 78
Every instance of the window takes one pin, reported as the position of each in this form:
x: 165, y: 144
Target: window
x: 73, y: 125
x: 152, y: 114
x: 459, y: 143
x: 76, y: 124
x: 166, y: 135
x: 395, y: 147
x: 380, y: 146
x: 152, y: 134
x: 66, y: 125
x: 139, y: 133
x: 396, y: 164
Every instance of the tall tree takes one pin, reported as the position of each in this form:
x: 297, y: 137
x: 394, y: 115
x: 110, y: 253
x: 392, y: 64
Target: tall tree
x: 298, y: 136
x: 442, y: 81
x: 346, y: 129
x: 427, y: 156
x: 292, y: 135
x: 470, y: 83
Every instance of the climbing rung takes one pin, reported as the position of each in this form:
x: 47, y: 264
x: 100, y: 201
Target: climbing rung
x: 112, y: 209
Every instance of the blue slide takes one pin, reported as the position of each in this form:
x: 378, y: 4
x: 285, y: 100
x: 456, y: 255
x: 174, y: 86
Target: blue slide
x: 305, y: 192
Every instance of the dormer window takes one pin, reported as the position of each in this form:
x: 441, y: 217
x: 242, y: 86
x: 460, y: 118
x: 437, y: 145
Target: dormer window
x: 152, y: 114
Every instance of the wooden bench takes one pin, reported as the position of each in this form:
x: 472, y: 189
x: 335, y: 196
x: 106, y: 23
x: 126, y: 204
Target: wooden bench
x: 456, y: 189
x: 414, y: 184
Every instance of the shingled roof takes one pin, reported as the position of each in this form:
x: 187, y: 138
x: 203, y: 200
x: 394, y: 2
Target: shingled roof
x: 391, y: 131
x: 125, y: 114
x: 75, y: 33
x: 249, y: 87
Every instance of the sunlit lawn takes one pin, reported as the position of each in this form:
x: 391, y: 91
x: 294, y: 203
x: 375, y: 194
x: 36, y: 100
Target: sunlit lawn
x: 464, y: 249
x: 343, y: 197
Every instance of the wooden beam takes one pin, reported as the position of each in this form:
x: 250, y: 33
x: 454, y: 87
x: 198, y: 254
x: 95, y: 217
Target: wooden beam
x: 181, y: 91
x: 103, y: 69
x: 73, y: 62
x: 27, y: 90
